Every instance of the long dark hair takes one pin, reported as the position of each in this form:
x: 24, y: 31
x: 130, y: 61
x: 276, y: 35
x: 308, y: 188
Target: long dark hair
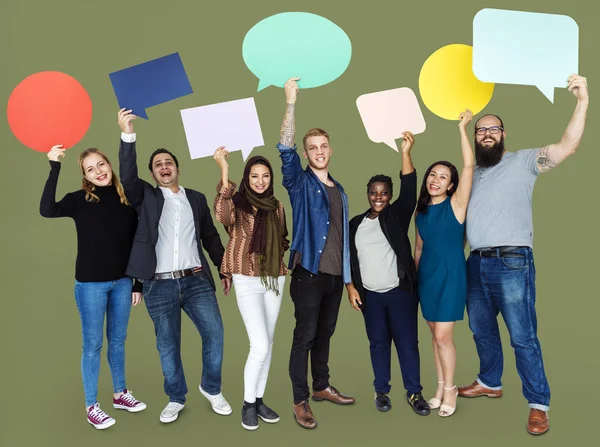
x: 424, y: 196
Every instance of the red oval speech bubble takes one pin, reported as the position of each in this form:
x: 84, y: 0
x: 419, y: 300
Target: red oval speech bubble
x: 49, y: 108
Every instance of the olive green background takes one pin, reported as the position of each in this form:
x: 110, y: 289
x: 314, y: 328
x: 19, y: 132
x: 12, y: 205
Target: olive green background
x: 42, y: 401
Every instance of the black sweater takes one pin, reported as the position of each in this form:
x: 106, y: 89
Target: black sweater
x: 105, y: 229
x: 394, y: 221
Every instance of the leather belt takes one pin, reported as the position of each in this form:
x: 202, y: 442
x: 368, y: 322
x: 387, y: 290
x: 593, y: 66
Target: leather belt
x: 499, y: 252
x: 177, y: 273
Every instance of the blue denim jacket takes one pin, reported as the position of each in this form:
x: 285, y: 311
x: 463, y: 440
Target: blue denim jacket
x: 310, y: 211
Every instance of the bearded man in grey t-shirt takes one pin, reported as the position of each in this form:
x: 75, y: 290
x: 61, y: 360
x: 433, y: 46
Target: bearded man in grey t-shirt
x: 500, y: 268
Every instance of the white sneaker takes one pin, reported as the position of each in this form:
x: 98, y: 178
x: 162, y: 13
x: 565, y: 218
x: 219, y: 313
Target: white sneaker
x: 171, y: 412
x: 217, y: 402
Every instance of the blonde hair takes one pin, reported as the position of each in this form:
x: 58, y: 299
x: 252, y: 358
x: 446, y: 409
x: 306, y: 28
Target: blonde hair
x: 314, y: 132
x: 89, y: 187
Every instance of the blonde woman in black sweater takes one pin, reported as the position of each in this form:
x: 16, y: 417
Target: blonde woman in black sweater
x: 105, y: 224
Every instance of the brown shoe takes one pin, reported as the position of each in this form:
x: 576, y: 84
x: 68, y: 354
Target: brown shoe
x: 304, y: 415
x: 476, y: 390
x: 537, y: 424
x: 332, y: 394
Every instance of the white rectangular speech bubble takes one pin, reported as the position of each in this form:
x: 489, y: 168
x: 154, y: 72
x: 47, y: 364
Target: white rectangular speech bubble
x: 526, y: 48
x: 389, y: 113
x: 233, y: 124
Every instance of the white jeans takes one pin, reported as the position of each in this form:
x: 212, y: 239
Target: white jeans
x: 259, y: 309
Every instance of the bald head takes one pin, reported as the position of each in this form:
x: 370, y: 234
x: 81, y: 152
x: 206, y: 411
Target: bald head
x: 490, y: 120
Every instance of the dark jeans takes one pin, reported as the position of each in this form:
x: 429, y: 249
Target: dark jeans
x: 194, y: 294
x: 506, y: 285
x: 393, y: 316
x: 317, y: 303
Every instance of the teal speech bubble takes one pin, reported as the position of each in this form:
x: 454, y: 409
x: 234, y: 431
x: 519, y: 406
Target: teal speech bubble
x: 296, y: 45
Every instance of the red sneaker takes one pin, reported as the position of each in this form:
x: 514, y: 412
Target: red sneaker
x: 127, y: 402
x: 99, y: 418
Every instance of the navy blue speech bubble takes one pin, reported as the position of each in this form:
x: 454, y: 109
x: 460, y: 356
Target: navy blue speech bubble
x: 151, y: 83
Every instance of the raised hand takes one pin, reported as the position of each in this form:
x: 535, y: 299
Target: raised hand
x: 124, y: 119
x: 56, y: 152
x: 464, y: 119
x: 291, y: 90
x: 408, y: 140
x: 578, y: 86
x: 220, y: 157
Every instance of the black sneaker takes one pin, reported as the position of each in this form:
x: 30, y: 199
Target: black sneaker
x: 249, y: 417
x: 266, y: 414
x: 383, y: 402
x: 418, y: 404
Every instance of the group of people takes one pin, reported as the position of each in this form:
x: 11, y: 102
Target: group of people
x: 140, y: 242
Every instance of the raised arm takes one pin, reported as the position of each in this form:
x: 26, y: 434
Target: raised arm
x: 128, y: 171
x: 460, y: 199
x: 224, y: 207
x: 291, y: 165
x: 407, y: 200
x: 407, y: 143
x: 550, y: 156
x: 287, y: 133
x: 48, y: 205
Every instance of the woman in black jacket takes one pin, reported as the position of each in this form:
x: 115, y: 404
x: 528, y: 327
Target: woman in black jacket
x: 384, y: 281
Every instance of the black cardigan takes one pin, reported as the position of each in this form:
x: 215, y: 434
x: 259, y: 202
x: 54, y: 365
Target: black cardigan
x: 394, y: 221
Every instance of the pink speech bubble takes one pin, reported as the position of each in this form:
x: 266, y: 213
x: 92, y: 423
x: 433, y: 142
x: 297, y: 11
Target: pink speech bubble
x: 388, y: 113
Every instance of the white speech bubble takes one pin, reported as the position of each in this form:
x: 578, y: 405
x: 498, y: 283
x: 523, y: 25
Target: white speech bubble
x: 389, y: 113
x: 525, y: 48
x: 233, y: 124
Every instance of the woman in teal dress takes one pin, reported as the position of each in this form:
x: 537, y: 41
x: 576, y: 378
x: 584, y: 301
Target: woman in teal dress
x: 440, y: 261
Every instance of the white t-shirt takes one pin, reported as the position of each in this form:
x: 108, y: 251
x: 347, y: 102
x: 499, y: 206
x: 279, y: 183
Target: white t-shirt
x: 376, y: 257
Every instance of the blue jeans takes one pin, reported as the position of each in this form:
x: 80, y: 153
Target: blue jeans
x: 94, y: 300
x: 393, y: 316
x: 506, y: 285
x: 195, y: 295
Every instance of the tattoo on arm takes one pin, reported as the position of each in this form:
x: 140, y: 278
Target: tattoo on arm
x: 288, y: 126
x: 544, y: 161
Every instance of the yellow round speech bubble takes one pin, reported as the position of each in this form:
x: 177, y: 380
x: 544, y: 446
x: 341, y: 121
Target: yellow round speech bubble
x: 448, y: 85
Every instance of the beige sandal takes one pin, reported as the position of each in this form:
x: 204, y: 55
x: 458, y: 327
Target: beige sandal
x: 434, y: 402
x: 446, y: 410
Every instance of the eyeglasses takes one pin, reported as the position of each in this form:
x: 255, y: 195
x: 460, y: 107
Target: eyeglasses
x: 493, y: 130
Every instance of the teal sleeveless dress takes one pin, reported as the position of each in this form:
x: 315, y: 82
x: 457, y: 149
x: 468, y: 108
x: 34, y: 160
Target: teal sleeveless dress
x: 442, y: 267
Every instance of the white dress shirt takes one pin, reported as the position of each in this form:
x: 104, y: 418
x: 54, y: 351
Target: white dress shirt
x: 177, y: 247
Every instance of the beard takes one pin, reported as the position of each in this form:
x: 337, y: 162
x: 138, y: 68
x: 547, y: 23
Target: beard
x: 489, y: 156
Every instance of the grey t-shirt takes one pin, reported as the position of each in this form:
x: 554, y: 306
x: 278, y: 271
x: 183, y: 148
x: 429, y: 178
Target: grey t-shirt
x: 331, y: 258
x: 376, y: 258
x: 500, y: 211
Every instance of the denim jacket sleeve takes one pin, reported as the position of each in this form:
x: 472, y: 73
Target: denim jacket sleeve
x: 291, y: 166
